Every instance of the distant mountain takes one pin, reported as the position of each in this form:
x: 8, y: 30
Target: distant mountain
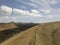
x: 41, y: 34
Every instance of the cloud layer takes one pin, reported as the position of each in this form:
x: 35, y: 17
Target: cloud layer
x: 8, y: 11
x: 23, y: 12
x: 49, y: 6
x: 35, y: 13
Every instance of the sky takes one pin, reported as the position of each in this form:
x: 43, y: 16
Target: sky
x: 36, y: 11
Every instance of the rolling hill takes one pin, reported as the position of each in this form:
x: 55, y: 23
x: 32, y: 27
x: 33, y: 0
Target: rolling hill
x: 13, y: 28
x: 41, y: 34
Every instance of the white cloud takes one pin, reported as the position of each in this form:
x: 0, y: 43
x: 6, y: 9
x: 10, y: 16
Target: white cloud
x: 20, y: 12
x: 24, y: 12
x: 17, y: 11
x: 34, y: 14
x: 34, y: 11
x: 6, y: 10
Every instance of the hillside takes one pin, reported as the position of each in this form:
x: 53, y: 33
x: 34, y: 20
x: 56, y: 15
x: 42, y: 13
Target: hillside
x: 42, y: 34
x: 8, y: 32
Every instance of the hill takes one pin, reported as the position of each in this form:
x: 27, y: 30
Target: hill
x: 13, y: 28
x: 42, y: 34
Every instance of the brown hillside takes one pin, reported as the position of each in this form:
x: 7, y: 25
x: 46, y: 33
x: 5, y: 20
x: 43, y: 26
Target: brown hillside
x: 10, y: 29
x: 42, y: 34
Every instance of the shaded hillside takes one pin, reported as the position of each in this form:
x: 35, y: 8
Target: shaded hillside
x: 42, y: 34
x: 24, y: 26
x: 5, y: 34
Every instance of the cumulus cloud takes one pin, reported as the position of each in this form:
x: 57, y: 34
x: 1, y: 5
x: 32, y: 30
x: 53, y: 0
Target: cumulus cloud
x: 6, y: 10
x: 24, y: 12
x: 17, y: 11
x: 34, y: 11
x: 20, y: 12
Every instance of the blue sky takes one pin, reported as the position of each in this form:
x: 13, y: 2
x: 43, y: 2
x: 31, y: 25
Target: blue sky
x: 36, y: 11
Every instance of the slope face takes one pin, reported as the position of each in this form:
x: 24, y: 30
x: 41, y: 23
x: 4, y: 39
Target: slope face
x: 42, y: 34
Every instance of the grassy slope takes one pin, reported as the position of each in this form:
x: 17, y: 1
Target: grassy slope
x: 42, y: 34
x: 8, y: 33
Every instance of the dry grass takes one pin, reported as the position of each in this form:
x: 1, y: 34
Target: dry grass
x: 42, y: 34
x: 6, y: 33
